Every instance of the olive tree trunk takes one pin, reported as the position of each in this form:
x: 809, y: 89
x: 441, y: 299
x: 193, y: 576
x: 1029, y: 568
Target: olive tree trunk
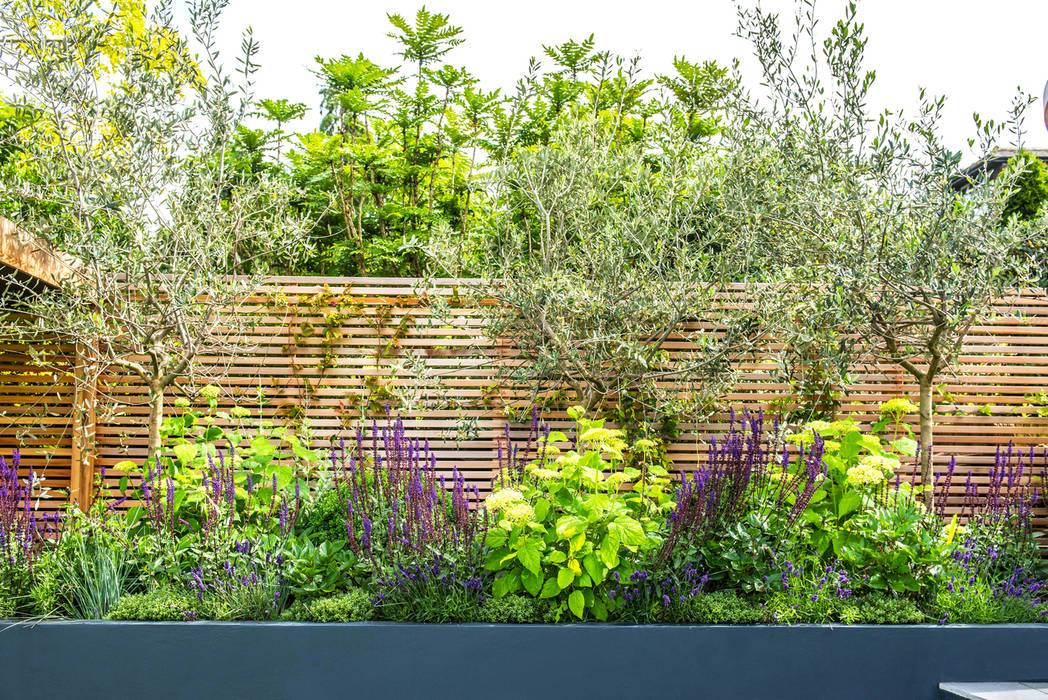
x: 156, y: 418
x: 927, y: 423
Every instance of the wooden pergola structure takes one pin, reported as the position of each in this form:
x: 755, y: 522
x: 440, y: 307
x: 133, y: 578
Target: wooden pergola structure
x: 35, y: 263
x: 32, y: 256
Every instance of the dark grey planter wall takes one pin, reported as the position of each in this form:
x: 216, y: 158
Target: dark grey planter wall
x: 377, y: 660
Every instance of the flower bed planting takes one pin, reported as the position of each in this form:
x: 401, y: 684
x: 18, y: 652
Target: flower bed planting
x: 820, y: 523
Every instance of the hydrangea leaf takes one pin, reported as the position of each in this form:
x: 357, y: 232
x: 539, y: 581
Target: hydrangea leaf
x: 576, y: 603
x: 529, y: 554
x: 906, y: 446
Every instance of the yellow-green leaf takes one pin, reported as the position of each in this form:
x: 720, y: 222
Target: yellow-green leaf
x: 576, y: 603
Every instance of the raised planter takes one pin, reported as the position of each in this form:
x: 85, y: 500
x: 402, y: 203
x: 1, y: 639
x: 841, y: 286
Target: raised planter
x: 389, y: 660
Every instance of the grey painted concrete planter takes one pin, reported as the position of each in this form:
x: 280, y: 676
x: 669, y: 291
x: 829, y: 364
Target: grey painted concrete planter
x: 388, y: 660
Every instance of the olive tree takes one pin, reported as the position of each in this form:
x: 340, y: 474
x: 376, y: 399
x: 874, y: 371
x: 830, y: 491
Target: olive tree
x: 129, y: 147
x: 866, y: 204
x: 605, y: 253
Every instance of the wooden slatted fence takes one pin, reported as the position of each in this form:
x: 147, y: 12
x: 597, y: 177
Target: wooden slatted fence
x: 320, y: 351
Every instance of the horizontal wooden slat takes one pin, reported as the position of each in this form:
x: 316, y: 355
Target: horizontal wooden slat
x: 315, y: 348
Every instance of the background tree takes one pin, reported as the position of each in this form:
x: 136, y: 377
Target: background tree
x: 1027, y: 203
x: 1030, y: 189
x: 133, y: 149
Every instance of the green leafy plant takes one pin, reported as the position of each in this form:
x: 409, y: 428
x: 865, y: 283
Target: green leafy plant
x: 312, y: 570
x: 861, y: 518
x: 568, y: 520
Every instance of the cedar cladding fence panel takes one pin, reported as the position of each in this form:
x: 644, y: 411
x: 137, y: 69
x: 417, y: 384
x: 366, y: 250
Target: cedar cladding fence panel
x: 37, y: 392
x: 322, y: 349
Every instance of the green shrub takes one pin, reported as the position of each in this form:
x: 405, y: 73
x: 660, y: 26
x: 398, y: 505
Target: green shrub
x: 513, y: 610
x: 354, y: 606
x: 162, y: 604
x: 567, y: 522
x: 726, y: 608
x: 324, y: 517
x: 882, y: 609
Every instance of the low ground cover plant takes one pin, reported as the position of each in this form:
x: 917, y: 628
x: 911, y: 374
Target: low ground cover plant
x: 818, y: 522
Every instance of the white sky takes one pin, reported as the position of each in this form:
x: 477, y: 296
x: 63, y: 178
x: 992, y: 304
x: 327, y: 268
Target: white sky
x: 976, y: 52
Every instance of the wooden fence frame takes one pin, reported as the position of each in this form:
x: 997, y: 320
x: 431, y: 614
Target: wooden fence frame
x: 368, y: 325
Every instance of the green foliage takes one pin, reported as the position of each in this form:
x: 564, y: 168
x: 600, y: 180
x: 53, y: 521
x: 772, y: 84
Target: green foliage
x: 352, y: 606
x: 26, y: 590
x: 162, y: 604
x: 750, y: 553
x: 881, y: 609
x: 313, y: 570
x: 1029, y: 188
x: 266, y: 456
x: 323, y: 518
x: 726, y: 608
x: 513, y: 609
x: 95, y: 566
x: 567, y: 522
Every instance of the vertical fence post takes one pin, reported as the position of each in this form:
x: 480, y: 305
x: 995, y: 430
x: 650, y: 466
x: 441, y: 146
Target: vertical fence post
x: 82, y: 458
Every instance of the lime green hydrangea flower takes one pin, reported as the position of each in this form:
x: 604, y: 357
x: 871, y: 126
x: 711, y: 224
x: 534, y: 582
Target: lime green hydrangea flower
x: 616, y: 478
x: 547, y: 450
x: 886, y: 465
x: 181, y: 402
x: 862, y: 475
x: 568, y: 460
x: 503, y: 499
x: 897, y: 408
x: 870, y: 442
x: 520, y: 513
x: 600, y: 435
x: 545, y: 474
x: 643, y: 445
x: 821, y: 427
x: 210, y: 392
x: 239, y: 412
